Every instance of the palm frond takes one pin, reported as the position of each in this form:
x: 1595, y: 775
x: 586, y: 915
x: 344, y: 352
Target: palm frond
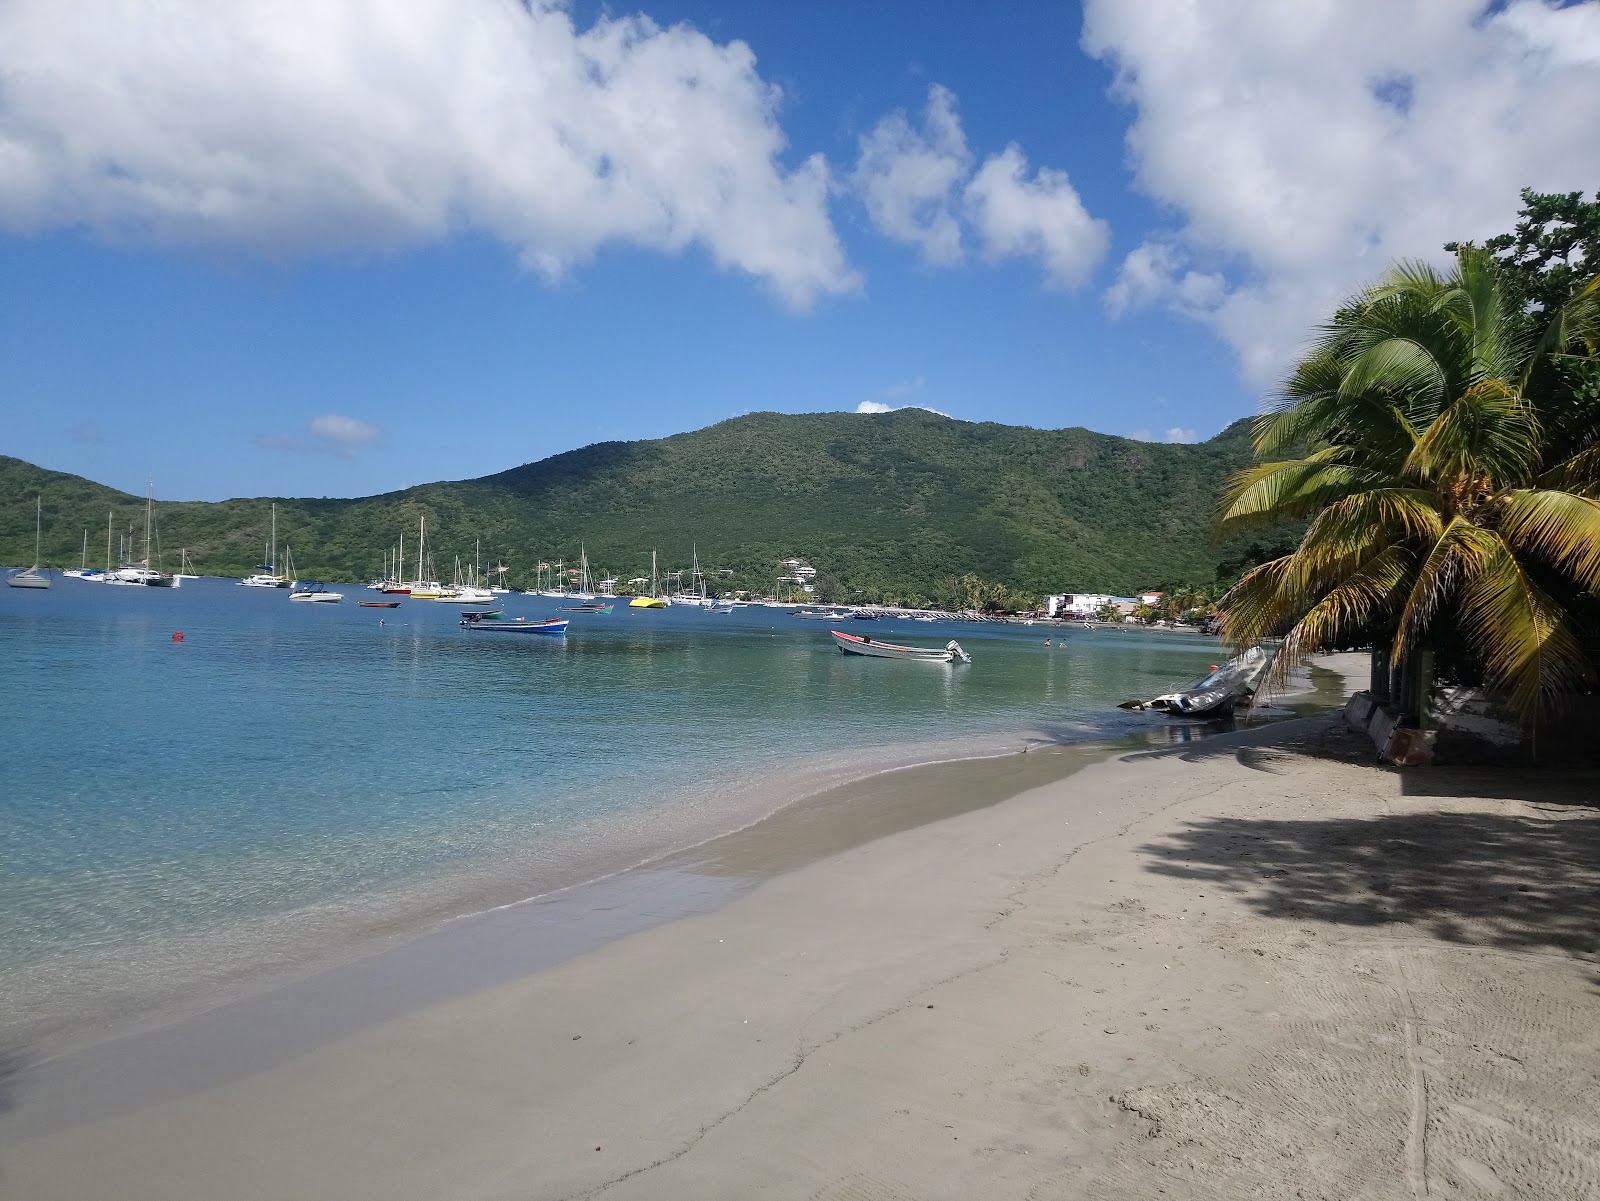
x: 1562, y: 528
x: 1366, y: 596
x: 1288, y: 490
x: 1529, y: 653
x: 1489, y: 432
x: 1458, y: 547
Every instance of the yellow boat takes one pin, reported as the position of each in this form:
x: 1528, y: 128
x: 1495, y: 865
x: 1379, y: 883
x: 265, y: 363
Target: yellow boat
x: 646, y: 602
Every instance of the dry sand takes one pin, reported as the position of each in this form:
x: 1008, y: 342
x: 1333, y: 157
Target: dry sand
x: 1256, y: 967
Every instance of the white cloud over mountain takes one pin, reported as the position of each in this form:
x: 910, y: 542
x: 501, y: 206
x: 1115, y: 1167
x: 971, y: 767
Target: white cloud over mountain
x: 329, y: 434
x: 919, y: 188
x: 1305, y: 145
x: 363, y: 124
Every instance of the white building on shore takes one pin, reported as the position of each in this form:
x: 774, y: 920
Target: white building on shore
x: 1085, y: 604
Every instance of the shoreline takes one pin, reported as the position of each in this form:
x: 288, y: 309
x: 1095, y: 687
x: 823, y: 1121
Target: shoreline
x: 1240, y: 967
x: 286, y: 951
x: 189, y: 973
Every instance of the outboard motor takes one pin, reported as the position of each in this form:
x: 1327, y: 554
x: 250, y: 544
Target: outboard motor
x: 955, y: 650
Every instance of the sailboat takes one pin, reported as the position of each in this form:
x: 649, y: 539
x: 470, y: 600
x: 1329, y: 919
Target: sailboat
x: 424, y: 589
x: 35, y: 576
x: 652, y: 601
x: 472, y: 594
x: 185, y: 568
x: 141, y: 572
x: 268, y: 576
x: 83, y: 571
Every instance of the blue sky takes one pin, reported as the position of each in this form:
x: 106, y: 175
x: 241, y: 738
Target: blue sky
x: 431, y: 241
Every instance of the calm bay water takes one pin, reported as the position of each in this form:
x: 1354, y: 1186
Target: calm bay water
x: 288, y: 757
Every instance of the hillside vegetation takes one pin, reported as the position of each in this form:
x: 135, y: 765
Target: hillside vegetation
x: 890, y: 506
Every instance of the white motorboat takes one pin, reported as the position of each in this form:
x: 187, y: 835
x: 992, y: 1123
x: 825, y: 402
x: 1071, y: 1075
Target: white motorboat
x: 311, y: 590
x: 857, y: 644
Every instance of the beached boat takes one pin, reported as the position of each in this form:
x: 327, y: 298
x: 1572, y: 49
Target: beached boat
x: 377, y: 604
x: 1217, y: 694
x: 311, y: 590
x: 519, y: 625
x: 855, y: 644
x: 35, y: 576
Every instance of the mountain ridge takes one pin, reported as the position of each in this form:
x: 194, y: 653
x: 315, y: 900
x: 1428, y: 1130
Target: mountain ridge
x: 887, y: 505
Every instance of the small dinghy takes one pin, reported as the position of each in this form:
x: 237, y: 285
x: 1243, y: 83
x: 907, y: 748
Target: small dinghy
x: 378, y: 604
x: 855, y: 644
x: 520, y: 625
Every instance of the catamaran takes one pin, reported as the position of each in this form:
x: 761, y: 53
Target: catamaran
x: 857, y: 644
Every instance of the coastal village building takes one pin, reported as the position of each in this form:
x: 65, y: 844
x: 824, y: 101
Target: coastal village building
x: 799, y: 572
x: 1085, y: 604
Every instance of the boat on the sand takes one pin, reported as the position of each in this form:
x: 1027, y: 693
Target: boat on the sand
x: 1217, y: 694
x: 872, y: 648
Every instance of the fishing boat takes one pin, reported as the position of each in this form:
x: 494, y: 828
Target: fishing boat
x: 311, y: 590
x: 590, y: 607
x: 483, y: 614
x: 519, y: 625
x: 35, y: 576
x: 855, y: 644
x: 819, y: 615
x: 720, y: 609
x: 377, y: 604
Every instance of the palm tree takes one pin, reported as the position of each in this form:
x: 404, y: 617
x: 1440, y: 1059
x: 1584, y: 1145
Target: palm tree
x: 1436, y: 501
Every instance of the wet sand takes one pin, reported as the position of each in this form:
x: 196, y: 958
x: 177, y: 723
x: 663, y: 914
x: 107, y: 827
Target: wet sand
x: 1257, y: 966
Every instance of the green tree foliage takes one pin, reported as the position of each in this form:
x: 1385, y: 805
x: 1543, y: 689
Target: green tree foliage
x: 894, y: 507
x: 1447, y: 504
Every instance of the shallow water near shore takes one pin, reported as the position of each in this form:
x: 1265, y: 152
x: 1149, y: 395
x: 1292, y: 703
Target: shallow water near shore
x: 293, y: 776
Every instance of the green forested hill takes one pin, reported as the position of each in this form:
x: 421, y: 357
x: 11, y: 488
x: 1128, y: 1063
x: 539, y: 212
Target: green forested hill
x: 892, y: 506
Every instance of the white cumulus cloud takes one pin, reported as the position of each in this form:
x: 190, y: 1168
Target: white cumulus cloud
x: 329, y: 434
x: 907, y: 178
x: 919, y: 188
x: 342, y: 431
x: 874, y: 406
x: 1304, y: 146
x: 1040, y: 218
x: 369, y: 125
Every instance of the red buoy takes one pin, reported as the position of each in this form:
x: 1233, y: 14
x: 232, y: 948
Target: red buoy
x: 177, y: 635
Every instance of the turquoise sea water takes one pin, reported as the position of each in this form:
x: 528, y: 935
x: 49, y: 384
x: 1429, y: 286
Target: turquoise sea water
x: 285, y: 757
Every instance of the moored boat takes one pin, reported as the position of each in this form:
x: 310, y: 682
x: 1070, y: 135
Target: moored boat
x: 311, y: 590
x: 519, y: 625
x: 856, y: 644
x: 35, y: 576
x: 377, y: 604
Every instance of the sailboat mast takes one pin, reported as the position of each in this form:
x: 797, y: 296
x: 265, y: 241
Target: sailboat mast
x: 654, y: 590
x: 422, y: 538
x: 149, y: 501
x: 274, y: 559
x: 108, y: 541
x: 38, y: 521
x: 83, y: 563
x: 400, y: 571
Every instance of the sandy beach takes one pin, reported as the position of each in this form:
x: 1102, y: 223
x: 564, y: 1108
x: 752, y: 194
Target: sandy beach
x: 1256, y: 966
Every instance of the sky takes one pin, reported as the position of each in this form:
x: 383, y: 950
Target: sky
x: 270, y: 248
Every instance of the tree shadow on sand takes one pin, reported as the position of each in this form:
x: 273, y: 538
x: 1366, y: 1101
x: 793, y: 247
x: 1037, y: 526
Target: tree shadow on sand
x: 1501, y: 880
